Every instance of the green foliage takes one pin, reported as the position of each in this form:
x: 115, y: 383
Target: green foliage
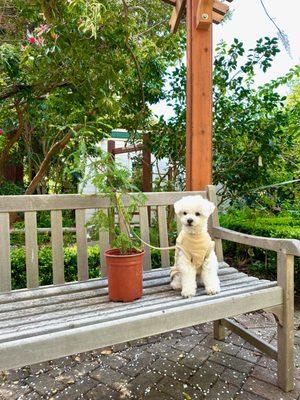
x: 115, y: 182
x: 261, y: 262
x: 45, y: 265
x: 9, y: 188
x: 82, y: 68
x: 256, y: 132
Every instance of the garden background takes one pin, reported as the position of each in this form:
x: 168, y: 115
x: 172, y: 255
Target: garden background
x: 72, y: 71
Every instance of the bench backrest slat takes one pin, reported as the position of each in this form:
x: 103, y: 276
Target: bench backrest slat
x: 31, y: 246
x: 57, y: 247
x: 5, y: 265
x: 145, y: 235
x: 163, y: 235
x: 103, y: 246
x: 81, y: 241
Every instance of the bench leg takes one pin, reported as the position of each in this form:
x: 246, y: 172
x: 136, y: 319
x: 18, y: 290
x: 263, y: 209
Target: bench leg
x: 219, y: 330
x: 285, y: 277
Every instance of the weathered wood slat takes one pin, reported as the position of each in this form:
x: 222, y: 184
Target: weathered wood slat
x: 32, y: 264
x: 77, y: 300
x: 145, y: 235
x: 64, y: 291
x: 291, y: 246
x: 5, y: 264
x: 57, y: 247
x: 100, y: 306
x: 103, y: 246
x: 254, y: 340
x: 78, y: 201
x: 81, y: 240
x: 285, y: 332
x: 107, y: 315
x: 163, y: 235
x: 88, y: 337
x: 69, y: 296
x: 214, y: 220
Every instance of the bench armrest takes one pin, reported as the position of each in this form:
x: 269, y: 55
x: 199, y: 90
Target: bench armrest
x: 291, y: 246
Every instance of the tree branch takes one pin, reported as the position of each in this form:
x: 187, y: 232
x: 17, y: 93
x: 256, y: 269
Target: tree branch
x: 55, y: 148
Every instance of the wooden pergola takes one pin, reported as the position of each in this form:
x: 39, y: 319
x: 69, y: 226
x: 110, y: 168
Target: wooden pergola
x: 200, y: 15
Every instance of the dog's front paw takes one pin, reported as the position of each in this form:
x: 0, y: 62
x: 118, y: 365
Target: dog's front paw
x: 188, y: 292
x: 175, y: 284
x: 212, y: 289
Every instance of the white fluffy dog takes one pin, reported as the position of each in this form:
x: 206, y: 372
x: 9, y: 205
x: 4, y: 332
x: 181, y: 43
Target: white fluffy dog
x: 195, y: 258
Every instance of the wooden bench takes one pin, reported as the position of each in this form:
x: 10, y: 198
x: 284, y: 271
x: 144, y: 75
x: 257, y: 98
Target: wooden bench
x: 42, y: 323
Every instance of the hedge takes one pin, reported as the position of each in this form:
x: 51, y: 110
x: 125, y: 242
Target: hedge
x: 259, y: 262
x: 18, y: 264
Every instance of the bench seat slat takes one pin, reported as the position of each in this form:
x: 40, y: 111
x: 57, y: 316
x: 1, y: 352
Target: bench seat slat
x: 133, y: 309
x: 88, y: 293
x: 99, y: 297
x: 101, y: 306
x: 162, y: 319
x: 70, y: 287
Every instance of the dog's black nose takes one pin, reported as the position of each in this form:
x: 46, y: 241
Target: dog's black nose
x: 190, y: 221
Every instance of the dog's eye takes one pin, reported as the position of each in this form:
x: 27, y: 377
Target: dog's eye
x: 197, y: 214
x: 184, y: 213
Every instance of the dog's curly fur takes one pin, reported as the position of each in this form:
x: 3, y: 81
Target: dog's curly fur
x: 194, y: 212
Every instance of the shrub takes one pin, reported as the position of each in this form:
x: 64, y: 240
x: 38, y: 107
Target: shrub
x: 257, y: 261
x: 18, y: 264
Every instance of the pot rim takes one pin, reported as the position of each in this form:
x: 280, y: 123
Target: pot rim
x: 107, y: 253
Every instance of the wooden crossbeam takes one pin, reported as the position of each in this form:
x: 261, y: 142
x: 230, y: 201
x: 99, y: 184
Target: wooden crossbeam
x: 177, y: 14
x: 208, y: 11
x: 217, y: 18
x: 204, y: 14
x: 220, y: 8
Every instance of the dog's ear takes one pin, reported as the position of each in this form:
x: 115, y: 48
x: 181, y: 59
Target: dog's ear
x: 178, y: 206
x: 207, y: 207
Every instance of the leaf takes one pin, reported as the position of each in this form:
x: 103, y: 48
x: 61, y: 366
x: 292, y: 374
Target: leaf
x: 215, y: 348
x: 106, y: 352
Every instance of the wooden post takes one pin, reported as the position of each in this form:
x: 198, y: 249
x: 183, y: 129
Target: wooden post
x: 111, y: 144
x: 147, y: 171
x: 199, y: 102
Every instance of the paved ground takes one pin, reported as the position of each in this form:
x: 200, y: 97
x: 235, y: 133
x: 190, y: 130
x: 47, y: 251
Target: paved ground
x: 187, y: 364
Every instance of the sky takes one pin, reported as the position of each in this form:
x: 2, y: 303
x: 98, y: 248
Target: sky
x: 249, y: 22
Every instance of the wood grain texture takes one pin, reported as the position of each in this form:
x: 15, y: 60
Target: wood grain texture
x: 81, y: 240
x: 31, y: 246
x: 163, y: 235
x: 199, y: 102
x: 57, y: 247
x: 214, y: 220
x: 177, y: 14
x: 39, y: 348
x: 291, y: 246
x: 5, y: 263
x: 104, y: 244
x: 285, y: 332
x: 251, y: 338
x: 204, y: 14
x: 145, y: 235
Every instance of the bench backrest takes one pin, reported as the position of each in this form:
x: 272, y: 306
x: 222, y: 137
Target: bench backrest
x: 30, y: 205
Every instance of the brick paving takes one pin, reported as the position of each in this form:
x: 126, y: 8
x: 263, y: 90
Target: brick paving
x: 186, y: 364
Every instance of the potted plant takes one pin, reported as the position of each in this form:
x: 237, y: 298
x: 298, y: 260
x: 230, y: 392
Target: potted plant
x: 125, y: 258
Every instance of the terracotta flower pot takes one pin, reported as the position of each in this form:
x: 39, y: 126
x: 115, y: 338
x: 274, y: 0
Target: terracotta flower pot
x: 125, y: 275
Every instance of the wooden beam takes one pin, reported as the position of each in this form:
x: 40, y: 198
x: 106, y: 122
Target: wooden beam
x: 130, y: 149
x: 177, y: 14
x: 204, y: 14
x: 147, y: 168
x: 251, y: 338
x: 217, y: 18
x: 199, y: 102
x: 220, y: 8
